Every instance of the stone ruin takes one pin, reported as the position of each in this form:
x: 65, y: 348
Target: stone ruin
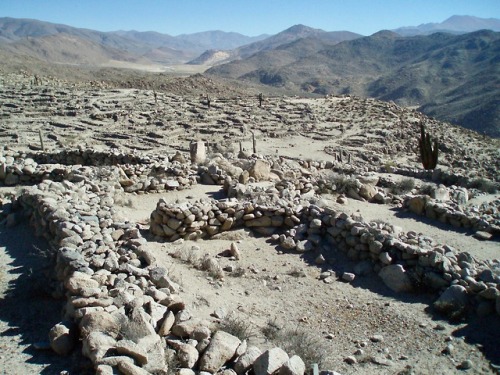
x: 127, y: 311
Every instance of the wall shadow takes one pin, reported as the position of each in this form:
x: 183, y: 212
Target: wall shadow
x: 27, y: 307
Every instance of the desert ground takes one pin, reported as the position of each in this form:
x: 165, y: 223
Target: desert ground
x: 348, y: 326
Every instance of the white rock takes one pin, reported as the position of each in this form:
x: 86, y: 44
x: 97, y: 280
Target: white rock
x: 396, y: 278
x: 270, y: 361
x: 221, y: 349
x: 294, y: 366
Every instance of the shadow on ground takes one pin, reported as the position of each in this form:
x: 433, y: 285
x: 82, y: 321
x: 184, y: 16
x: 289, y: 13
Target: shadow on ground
x: 482, y: 332
x: 27, y: 307
x: 405, y: 214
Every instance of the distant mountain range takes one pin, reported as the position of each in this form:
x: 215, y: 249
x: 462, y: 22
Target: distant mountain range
x: 55, y: 42
x: 453, y: 25
x: 448, y: 70
x: 452, y: 77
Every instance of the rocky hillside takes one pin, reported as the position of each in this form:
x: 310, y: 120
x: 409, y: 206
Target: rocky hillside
x: 454, y: 78
x: 240, y: 233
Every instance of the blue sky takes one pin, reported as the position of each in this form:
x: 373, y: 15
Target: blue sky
x: 249, y: 17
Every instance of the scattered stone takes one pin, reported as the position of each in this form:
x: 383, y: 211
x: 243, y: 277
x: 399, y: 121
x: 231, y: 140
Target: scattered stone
x: 465, y: 365
x: 234, y: 251
x: 376, y: 338
x: 482, y: 235
x: 350, y: 360
x: 347, y: 276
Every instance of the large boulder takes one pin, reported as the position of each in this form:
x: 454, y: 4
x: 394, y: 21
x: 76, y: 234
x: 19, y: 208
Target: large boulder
x: 62, y: 338
x: 367, y: 192
x: 396, y: 278
x: 270, y: 361
x: 441, y: 193
x: 417, y: 204
x: 453, y: 301
x: 261, y: 170
x: 221, y: 349
x: 198, y: 152
x: 294, y: 366
x: 246, y: 361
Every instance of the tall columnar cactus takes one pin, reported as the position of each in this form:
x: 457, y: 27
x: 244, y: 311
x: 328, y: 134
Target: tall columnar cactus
x: 428, y: 149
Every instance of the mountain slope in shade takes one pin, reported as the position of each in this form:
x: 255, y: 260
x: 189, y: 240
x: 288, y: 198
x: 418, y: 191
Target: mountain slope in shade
x: 436, y: 72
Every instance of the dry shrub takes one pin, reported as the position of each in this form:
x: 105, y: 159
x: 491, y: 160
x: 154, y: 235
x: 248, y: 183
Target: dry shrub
x: 241, y: 328
x: 212, y: 266
x: 404, y: 186
x: 297, y: 341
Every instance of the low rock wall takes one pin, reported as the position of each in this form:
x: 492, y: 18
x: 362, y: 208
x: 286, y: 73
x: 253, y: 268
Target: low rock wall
x: 122, y: 306
x: 145, y: 175
x: 487, y: 219
x: 404, y: 261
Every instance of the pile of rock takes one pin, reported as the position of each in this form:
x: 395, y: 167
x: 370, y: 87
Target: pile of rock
x: 440, y: 176
x: 91, y: 157
x: 207, y: 218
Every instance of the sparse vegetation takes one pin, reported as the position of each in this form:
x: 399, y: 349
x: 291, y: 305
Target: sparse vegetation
x: 342, y: 184
x: 212, y: 266
x: 297, y: 341
x: 239, y: 327
x: 389, y: 166
x: 297, y: 272
x: 271, y: 330
x: 404, y: 186
x: 426, y: 189
x: 486, y: 186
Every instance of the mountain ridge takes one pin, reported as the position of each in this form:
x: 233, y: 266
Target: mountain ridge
x: 431, y: 72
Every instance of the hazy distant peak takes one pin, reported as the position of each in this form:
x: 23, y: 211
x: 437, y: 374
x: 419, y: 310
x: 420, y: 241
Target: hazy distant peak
x: 302, y: 30
x: 455, y: 24
x: 386, y: 34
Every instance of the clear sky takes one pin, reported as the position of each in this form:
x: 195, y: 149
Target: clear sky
x: 248, y: 17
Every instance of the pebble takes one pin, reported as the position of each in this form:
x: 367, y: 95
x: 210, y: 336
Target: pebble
x: 347, y: 276
x: 351, y: 360
x: 376, y: 338
x: 465, y: 365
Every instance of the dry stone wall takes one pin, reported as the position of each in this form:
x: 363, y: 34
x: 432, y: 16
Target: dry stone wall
x: 127, y: 311
x: 405, y: 261
x: 134, y: 173
x: 123, y: 307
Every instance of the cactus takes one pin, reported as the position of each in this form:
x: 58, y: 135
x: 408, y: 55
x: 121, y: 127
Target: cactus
x: 428, y: 149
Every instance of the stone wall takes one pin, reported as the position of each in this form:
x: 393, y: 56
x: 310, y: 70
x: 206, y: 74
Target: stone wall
x: 122, y: 306
x: 486, y: 219
x: 405, y: 261
x: 134, y: 173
